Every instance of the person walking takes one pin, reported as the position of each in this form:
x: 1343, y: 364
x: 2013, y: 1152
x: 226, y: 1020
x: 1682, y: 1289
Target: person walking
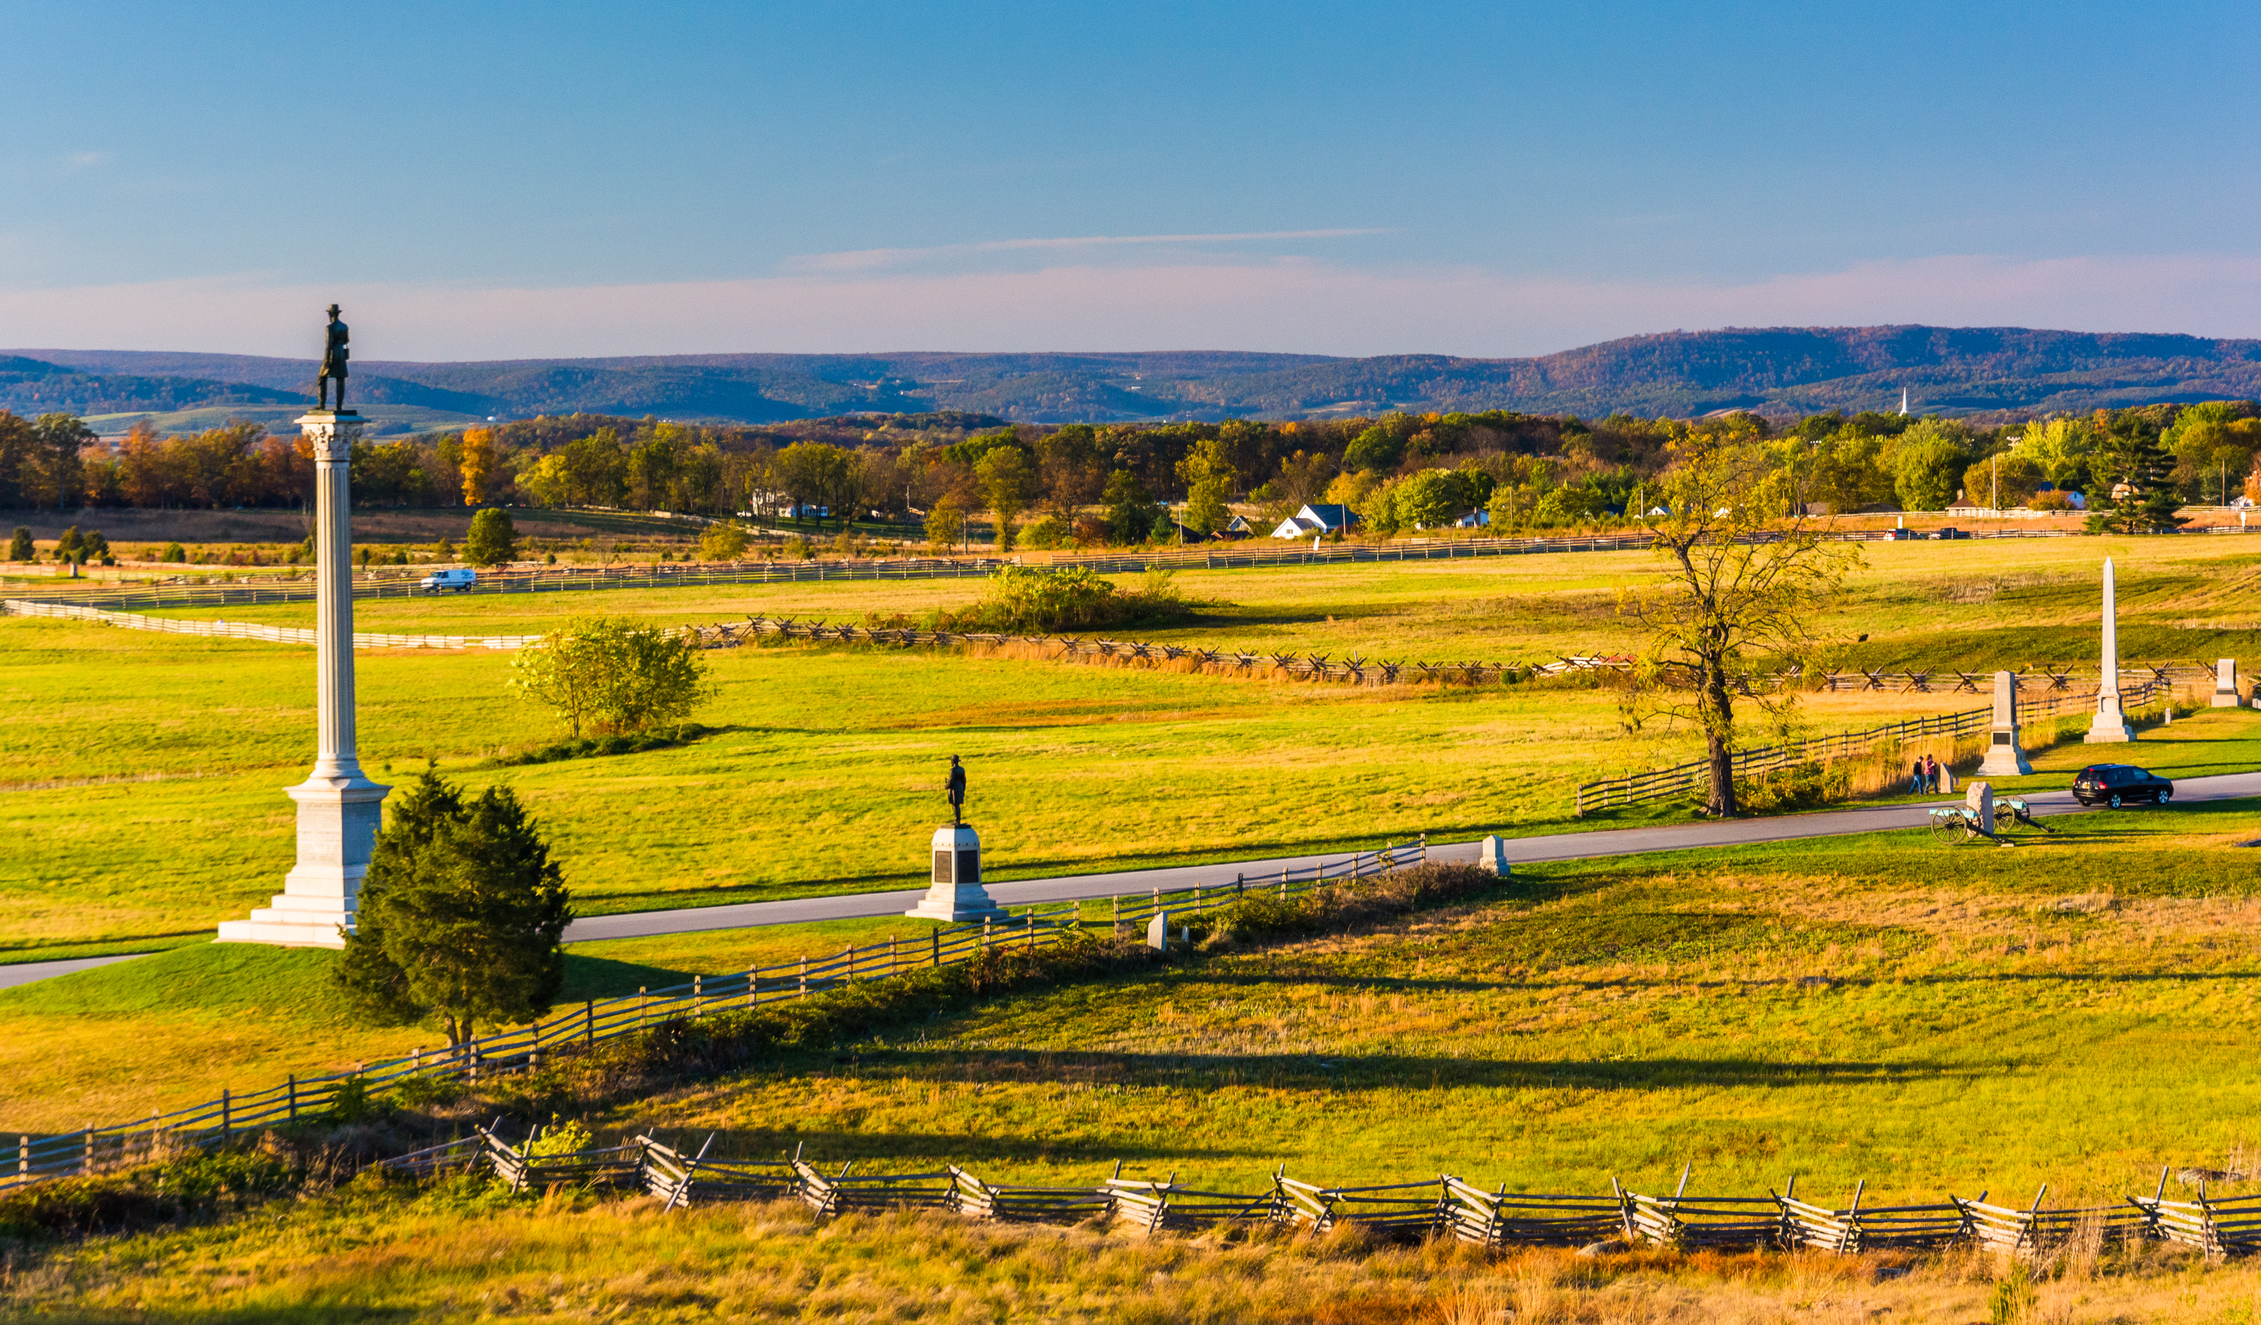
x: 1915, y: 778
x: 1931, y: 773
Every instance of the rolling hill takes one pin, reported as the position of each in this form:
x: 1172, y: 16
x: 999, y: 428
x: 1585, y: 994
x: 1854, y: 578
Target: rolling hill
x: 1778, y: 370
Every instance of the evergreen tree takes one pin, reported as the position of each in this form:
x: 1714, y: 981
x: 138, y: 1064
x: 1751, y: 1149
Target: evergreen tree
x: 460, y: 916
x: 2135, y: 493
x: 493, y: 539
x: 20, y: 547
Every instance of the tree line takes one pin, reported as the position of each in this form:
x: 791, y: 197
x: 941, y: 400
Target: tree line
x: 1085, y: 484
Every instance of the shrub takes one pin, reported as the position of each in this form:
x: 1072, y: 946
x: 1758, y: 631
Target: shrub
x: 1798, y: 787
x: 797, y: 548
x: 1023, y: 601
x: 623, y: 675
x: 1045, y: 534
x: 722, y: 542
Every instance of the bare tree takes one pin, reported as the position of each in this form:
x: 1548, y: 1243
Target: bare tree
x: 1747, y: 571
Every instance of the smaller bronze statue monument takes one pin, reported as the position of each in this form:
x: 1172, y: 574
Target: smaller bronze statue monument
x: 955, y: 894
x: 334, y: 355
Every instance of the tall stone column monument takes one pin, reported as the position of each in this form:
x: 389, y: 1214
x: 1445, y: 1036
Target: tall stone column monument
x: 2110, y: 725
x: 338, y: 808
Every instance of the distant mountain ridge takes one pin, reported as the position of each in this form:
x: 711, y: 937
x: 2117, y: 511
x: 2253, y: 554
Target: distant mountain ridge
x: 1775, y: 370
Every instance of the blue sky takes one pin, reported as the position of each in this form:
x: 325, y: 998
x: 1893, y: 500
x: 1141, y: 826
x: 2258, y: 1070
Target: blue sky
x: 488, y: 180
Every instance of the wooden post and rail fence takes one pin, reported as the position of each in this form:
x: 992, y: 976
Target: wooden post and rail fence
x: 216, y: 1122
x: 1694, y: 778
x: 1442, y: 1206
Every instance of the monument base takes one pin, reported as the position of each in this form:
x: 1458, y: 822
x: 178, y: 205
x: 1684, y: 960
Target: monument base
x: 2005, y: 756
x: 2227, y: 699
x: 2110, y: 726
x: 957, y: 896
x: 337, y: 830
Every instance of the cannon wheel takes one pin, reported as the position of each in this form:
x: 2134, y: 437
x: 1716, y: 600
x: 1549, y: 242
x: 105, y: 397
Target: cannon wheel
x: 1949, y: 828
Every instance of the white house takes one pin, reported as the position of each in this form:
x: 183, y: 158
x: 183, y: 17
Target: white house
x: 1314, y: 520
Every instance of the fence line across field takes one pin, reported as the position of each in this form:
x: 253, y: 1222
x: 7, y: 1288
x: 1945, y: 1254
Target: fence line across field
x: 1442, y: 1206
x: 215, y: 1122
x: 1356, y: 669
x: 1220, y: 556
x: 1694, y: 777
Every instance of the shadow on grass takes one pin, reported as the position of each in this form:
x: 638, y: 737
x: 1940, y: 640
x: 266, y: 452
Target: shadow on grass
x: 1387, y: 1071
x: 828, y: 1148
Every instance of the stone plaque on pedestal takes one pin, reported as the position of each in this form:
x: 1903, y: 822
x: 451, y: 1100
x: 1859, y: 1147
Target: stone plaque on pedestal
x: 2005, y: 755
x: 956, y: 894
x: 2225, y: 683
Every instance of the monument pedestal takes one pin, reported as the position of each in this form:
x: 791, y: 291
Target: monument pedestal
x: 2225, y: 684
x: 2110, y: 726
x: 956, y: 895
x: 337, y: 829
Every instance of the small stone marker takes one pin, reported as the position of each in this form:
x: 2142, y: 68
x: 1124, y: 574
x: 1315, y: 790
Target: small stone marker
x: 1494, y: 857
x: 1979, y: 796
x: 1158, y: 932
x: 2225, y: 683
x: 2005, y: 756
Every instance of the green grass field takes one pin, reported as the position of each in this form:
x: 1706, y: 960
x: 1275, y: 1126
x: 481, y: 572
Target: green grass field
x: 1974, y: 604
x: 824, y: 777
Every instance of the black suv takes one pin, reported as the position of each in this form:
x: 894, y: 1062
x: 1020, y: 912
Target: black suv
x: 2114, y: 783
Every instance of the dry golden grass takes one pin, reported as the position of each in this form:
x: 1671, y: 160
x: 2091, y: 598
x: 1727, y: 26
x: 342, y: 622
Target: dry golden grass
x: 455, y: 1255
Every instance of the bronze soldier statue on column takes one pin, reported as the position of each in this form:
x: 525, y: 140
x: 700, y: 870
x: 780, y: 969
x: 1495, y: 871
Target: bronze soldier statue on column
x: 334, y: 355
x: 957, y: 787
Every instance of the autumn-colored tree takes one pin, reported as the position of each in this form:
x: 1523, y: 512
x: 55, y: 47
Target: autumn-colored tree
x: 477, y: 463
x: 1746, y: 574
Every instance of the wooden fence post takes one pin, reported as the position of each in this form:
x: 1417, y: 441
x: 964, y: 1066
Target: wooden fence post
x: 804, y: 977
x: 639, y: 1007
x: 293, y: 1088
x: 1424, y: 847
x: 1031, y: 942
x: 590, y: 1037
x: 893, y: 966
x: 23, y: 1156
x: 698, y: 994
x: 1283, y: 883
x: 934, y: 946
x: 86, y: 1160
x: 753, y: 986
x: 224, y: 1102
x: 985, y: 921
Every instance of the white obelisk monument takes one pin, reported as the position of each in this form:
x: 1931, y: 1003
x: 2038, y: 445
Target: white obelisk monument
x: 338, y: 808
x: 2110, y: 725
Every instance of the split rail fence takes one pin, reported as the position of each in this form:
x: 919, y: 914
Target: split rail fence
x: 1694, y: 778
x: 309, y: 1098
x: 1443, y: 1206
x: 1217, y: 556
x: 1356, y: 670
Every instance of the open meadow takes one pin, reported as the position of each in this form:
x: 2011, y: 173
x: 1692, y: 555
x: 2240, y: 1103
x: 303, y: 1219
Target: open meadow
x: 1976, y: 604
x: 1887, y: 1009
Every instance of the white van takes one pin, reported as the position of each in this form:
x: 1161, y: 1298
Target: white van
x: 458, y: 578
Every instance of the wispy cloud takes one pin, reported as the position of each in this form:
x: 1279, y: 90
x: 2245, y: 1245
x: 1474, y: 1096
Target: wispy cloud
x: 879, y: 259
x: 1288, y: 304
x: 86, y: 160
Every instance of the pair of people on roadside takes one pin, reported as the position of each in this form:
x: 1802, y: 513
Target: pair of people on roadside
x: 1928, y: 777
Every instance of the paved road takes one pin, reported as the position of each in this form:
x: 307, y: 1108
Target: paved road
x: 1519, y: 851
x: 23, y: 973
